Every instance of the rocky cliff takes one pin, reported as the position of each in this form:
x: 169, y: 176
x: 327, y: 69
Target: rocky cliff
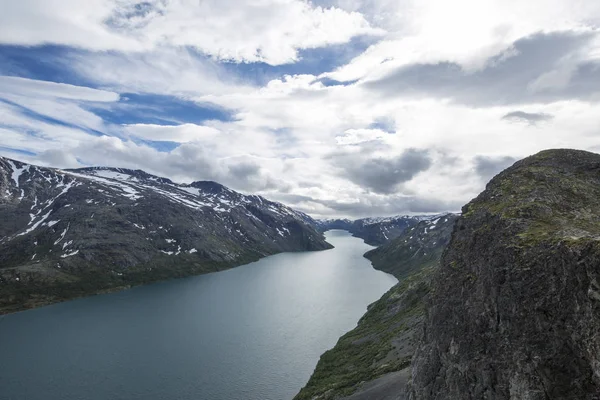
x: 373, y: 360
x: 68, y: 233
x: 514, y: 312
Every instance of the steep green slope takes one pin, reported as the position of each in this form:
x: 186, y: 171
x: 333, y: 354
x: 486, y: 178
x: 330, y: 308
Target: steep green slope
x: 382, y: 344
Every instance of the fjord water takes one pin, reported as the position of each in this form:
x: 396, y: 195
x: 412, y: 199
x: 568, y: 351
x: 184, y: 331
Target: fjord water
x: 250, y: 333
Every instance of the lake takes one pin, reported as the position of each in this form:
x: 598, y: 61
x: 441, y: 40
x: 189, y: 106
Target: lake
x: 250, y: 333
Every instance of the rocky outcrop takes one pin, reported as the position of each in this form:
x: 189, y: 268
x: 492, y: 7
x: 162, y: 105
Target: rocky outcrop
x: 373, y: 360
x: 514, y: 312
x: 68, y: 233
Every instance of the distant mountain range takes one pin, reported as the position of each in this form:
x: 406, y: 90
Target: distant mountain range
x: 67, y: 233
x: 377, y: 230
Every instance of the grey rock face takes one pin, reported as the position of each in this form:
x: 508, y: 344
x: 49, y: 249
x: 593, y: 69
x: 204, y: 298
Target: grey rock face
x: 514, y: 312
x: 75, y: 232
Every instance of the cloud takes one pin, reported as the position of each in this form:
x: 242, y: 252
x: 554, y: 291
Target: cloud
x: 530, y: 118
x: 58, y: 157
x: 383, y: 175
x: 370, y: 205
x: 32, y: 87
x: 462, y: 32
x: 544, y: 67
x: 270, y: 31
x: 172, y: 71
x: 356, y: 136
x: 172, y: 133
x: 290, y: 100
x: 487, y: 167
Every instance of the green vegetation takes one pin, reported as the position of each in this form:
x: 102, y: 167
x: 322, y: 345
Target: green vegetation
x: 32, y: 291
x: 385, y: 337
x: 368, y: 351
x: 550, y: 195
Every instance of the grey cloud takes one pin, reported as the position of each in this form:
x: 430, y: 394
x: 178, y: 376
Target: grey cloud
x: 370, y: 206
x: 244, y: 170
x: 244, y: 173
x: 309, y: 184
x: 188, y: 162
x: 391, y: 205
x: 195, y: 162
x: 58, y: 158
x: 530, y: 118
x: 487, y: 167
x: 383, y: 175
x: 523, y: 73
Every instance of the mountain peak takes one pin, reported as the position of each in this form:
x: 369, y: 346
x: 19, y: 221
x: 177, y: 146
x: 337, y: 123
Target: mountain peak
x: 68, y: 233
x: 209, y: 186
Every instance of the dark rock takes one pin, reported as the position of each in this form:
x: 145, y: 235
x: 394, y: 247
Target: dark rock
x: 514, y: 311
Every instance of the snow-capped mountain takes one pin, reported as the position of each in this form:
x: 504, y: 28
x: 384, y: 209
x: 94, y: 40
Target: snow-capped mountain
x: 377, y: 230
x: 65, y: 233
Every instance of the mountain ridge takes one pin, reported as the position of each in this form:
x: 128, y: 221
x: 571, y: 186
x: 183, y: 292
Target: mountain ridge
x: 377, y: 231
x: 67, y: 233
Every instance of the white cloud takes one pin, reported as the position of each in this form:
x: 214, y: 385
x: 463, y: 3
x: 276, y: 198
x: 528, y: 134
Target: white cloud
x: 466, y: 32
x: 165, y: 70
x: 176, y: 133
x: 323, y: 149
x: 31, y: 87
x: 356, y: 136
x: 271, y: 31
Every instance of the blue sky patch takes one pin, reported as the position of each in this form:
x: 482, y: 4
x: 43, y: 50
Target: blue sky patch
x: 158, y: 109
x: 162, y: 146
x: 44, y: 118
x: 384, y: 124
x: 45, y: 63
x: 311, y: 61
x: 17, y: 151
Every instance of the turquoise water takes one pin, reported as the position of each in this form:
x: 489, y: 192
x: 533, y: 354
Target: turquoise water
x: 253, y: 332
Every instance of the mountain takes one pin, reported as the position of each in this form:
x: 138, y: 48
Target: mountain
x: 420, y: 246
x: 511, y: 310
x: 515, y: 308
x: 373, y: 360
x: 376, y: 230
x: 68, y: 233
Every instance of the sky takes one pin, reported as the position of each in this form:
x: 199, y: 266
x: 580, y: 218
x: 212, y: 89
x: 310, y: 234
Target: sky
x: 338, y: 108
